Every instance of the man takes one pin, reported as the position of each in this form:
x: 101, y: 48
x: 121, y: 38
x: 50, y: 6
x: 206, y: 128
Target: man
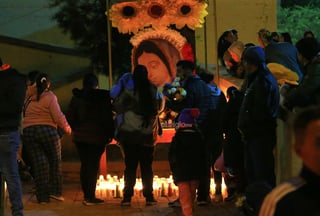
x: 308, y: 92
x: 12, y: 94
x: 198, y: 96
x: 300, y: 195
x: 257, y: 118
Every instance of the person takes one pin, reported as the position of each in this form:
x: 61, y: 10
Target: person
x: 12, y: 93
x: 91, y: 119
x: 257, y: 118
x: 308, y: 34
x: 285, y: 37
x: 139, y: 103
x: 281, y: 58
x: 198, y: 96
x: 308, y: 92
x: 233, y: 147
x: 224, y: 42
x: 275, y: 36
x: 232, y: 59
x: 212, y: 128
x: 23, y: 158
x: 187, y: 157
x: 42, y: 117
x: 300, y: 195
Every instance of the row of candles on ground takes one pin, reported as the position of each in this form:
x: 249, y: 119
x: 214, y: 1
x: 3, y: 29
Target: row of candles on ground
x: 112, y: 187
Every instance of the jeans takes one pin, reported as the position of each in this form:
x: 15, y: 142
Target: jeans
x: 9, y: 144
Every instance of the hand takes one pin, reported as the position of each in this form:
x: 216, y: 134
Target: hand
x: 68, y: 130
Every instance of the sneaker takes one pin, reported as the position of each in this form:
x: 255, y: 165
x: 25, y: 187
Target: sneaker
x: 94, y: 201
x: 218, y: 198
x: 175, y: 203
x: 59, y: 198
x: 150, y: 201
x: 126, y: 202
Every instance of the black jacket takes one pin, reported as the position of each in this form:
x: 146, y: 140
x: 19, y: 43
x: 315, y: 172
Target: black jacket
x: 90, y: 116
x: 12, y: 94
x: 187, y: 155
x: 295, y: 197
x: 259, y: 108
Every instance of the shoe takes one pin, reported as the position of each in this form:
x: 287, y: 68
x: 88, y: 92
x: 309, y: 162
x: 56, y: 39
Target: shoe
x: 126, y: 202
x: 43, y: 202
x: 59, y: 198
x: 218, y: 198
x: 150, y: 201
x: 230, y: 198
x: 175, y: 203
x: 203, y: 202
x: 94, y: 201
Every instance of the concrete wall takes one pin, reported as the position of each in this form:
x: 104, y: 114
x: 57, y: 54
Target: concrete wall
x: 246, y: 16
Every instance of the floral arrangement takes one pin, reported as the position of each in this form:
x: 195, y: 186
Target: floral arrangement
x: 174, y: 91
x: 133, y: 16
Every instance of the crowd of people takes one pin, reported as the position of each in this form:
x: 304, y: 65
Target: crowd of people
x: 280, y: 80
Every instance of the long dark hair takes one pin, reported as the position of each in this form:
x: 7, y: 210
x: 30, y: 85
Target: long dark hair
x: 143, y: 89
x: 42, y: 83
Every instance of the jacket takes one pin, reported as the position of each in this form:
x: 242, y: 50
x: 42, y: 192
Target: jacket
x: 90, y: 116
x: 259, y: 108
x: 198, y: 95
x: 298, y: 196
x: 12, y: 93
x: 308, y: 92
x: 131, y: 125
x: 46, y: 111
x: 187, y: 155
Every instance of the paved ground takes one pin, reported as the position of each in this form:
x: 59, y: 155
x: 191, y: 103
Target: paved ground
x: 73, y: 201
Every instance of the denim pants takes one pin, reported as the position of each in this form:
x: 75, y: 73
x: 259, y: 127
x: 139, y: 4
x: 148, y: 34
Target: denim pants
x: 9, y: 144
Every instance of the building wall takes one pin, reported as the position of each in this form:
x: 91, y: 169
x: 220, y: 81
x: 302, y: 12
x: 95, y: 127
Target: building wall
x: 244, y: 15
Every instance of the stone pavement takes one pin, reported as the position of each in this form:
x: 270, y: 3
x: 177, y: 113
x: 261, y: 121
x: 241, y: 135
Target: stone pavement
x: 73, y: 202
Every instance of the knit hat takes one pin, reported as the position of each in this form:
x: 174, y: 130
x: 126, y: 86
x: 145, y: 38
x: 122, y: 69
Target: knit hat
x: 254, y: 55
x: 187, y: 117
x: 308, y: 47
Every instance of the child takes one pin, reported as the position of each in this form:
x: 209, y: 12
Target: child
x: 187, y: 158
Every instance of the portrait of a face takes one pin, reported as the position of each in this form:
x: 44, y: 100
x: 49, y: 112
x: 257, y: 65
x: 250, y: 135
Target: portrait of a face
x: 160, y: 57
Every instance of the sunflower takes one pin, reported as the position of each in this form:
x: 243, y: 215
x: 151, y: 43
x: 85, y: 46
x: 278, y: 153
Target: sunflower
x: 127, y: 17
x: 190, y: 13
x: 159, y: 13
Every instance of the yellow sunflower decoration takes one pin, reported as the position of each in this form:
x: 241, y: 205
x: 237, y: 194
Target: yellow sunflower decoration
x: 127, y: 17
x: 190, y: 13
x: 133, y: 16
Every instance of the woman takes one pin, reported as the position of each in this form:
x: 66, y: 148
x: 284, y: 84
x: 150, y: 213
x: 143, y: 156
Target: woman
x: 158, y: 61
x: 137, y: 131
x: 42, y: 117
x: 90, y: 117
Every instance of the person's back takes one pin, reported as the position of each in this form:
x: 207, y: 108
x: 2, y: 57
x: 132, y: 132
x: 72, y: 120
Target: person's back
x: 285, y: 54
x: 12, y: 93
x: 91, y: 119
x: 300, y: 195
x: 91, y: 116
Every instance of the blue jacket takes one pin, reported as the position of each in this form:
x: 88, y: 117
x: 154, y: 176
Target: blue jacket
x: 198, y: 95
x: 259, y: 108
x: 285, y: 54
